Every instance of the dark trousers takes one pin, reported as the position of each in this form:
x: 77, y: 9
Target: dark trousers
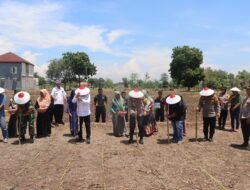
x: 132, y: 125
x: 100, y: 111
x: 159, y: 115
x: 86, y: 120
x: 245, y: 130
x: 235, y: 116
x: 209, y: 122
x: 223, y: 118
x: 58, y: 113
x: 126, y: 116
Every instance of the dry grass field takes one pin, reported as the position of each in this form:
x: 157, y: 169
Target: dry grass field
x: 110, y: 163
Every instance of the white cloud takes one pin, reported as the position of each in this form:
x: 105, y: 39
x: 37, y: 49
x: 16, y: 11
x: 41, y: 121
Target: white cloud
x: 5, y: 45
x: 213, y: 66
x: 32, y: 57
x: 245, y: 49
x: 41, y: 69
x: 41, y: 25
x: 153, y: 60
x: 115, y: 34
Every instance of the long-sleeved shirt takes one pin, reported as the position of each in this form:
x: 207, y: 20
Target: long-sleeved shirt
x: 83, y: 105
x: 209, y: 105
x: 245, y: 109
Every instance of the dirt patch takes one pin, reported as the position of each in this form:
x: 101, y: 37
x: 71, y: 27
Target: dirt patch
x: 60, y: 162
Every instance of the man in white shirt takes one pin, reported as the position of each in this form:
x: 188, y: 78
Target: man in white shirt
x: 59, y: 95
x: 82, y: 98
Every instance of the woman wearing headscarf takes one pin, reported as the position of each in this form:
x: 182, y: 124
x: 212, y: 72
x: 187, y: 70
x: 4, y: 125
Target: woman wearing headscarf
x: 149, y: 122
x: 235, y: 103
x: 13, y: 121
x: 118, y: 111
x: 210, y: 106
x: 72, y: 111
x: 42, y: 106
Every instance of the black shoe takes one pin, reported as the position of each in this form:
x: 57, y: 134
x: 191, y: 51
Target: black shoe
x: 244, y: 145
x: 62, y: 122
x: 56, y: 124
x: 205, y: 139
x: 131, y: 141
x: 31, y: 140
x: 141, y: 141
x: 88, y: 141
x: 211, y: 140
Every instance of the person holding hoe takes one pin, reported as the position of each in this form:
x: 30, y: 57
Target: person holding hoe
x: 26, y: 113
x: 176, y: 113
x: 210, y: 106
x: 136, y: 111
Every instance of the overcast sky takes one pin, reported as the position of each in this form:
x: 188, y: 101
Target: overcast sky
x: 125, y: 36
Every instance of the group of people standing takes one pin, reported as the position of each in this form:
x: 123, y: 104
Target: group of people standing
x: 138, y: 108
x: 218, y: 106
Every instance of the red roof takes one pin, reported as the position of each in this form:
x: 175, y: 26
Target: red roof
x: 12, y: 58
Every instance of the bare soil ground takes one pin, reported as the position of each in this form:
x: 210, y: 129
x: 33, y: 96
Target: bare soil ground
x: 60, y: 162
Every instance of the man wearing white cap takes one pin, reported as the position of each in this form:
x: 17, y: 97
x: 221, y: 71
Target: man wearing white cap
x: 176, y: 113
x: 245, y: 119
x: 136, y: 110
x: 2, y: 115
x: 235, y: 103
x: 59, y: 95
x: 210, y: 106
x: 82, y: 98
x: 27, y: 113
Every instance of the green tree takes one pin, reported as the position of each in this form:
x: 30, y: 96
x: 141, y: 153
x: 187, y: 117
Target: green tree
x: 57, y: 69
x: 125, y: 82
x: 216, y: 78
x: 108, y: 83
x: 185, y: 66
x: 101, y: 82
x: 41, y: 80
x: 79, y: 64
x: 164, y: 80
x: 133, y: 82
x: 243, y: 78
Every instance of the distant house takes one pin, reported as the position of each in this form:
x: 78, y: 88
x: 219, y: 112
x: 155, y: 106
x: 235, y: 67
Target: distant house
x: 16, y: 72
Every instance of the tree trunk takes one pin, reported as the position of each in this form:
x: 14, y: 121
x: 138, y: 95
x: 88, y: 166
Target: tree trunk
x: 189, y: 88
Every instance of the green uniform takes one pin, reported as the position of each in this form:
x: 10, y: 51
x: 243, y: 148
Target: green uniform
x: 27, y: 119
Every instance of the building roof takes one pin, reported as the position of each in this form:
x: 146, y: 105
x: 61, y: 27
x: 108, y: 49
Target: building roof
x: 12, y: 58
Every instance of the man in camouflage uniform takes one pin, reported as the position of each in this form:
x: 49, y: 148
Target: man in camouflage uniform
x: 27, y: 115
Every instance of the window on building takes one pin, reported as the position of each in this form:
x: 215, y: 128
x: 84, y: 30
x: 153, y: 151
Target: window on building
x: 13, y: 70
x: 27, y: 69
